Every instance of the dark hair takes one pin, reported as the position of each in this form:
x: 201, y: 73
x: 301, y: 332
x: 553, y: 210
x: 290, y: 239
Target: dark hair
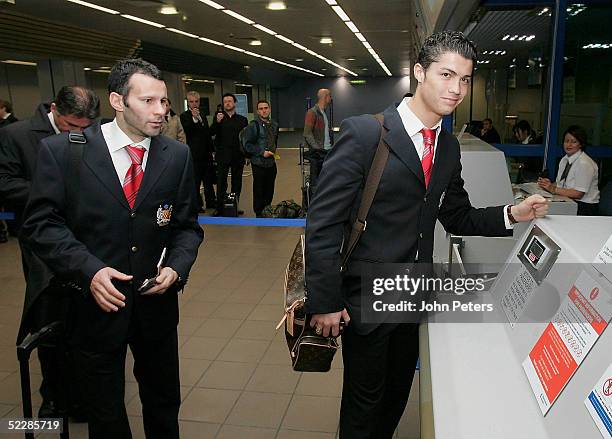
x: 229, y: 94
x: 77, y: 101
x: 523, y: 125
x: 6, y: 105
x: 579, y: 133
x: 487, y: 119
x: 448, y: 41
x: 262, y: 101
x: 122, y: 71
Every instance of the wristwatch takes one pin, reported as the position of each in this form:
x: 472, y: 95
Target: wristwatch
x: 510, y: 216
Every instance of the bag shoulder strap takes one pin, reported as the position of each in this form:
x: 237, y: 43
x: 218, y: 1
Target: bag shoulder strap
x: 369, y: 190
x: 73, y: 174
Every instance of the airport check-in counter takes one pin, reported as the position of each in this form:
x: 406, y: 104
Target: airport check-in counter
x: 474, y: 376
x: 487, y: 182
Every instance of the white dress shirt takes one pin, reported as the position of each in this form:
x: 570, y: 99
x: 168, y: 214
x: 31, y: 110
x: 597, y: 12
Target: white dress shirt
x: 413, y: 126
x: 117, y: 140
x: 582, y: 176
x: 55, y: 128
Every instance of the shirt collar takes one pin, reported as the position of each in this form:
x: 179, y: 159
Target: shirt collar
x: 412, y: 123
x: 6, y: 116
x: 118, y: 139
x: 571, y: 159
x: 52, y: 120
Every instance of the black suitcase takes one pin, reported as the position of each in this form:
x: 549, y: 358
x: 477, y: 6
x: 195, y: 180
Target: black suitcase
x: 230, y: 205
x: 51, y: 332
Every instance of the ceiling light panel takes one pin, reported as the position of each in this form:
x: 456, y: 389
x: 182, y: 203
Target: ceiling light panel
x: 279, y: 36
x: 349, y: 23
x: 92, y: 6
x: 201, y: 38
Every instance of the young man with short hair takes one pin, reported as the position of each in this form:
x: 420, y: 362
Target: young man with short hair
x: 421, y: 183
x: 226, y: 127
x: 261, y: 139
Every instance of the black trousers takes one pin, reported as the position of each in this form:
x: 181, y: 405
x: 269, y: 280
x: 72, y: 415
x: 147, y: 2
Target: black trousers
x: 204, y: 173
x: 316, y: 164
x: 587, y: 209
x: 378, y: 372
x: 223, y: 169
x: 101, y: 380
x: 263, y: 186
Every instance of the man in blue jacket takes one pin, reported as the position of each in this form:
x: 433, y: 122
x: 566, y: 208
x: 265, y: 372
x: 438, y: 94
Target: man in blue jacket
x: 261, y: 139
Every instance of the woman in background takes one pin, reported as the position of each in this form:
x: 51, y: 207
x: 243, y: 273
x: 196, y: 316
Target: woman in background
x: 577, y: 175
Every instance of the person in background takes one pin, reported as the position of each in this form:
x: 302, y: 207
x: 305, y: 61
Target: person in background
x: 488, y: 133
x: 317, y: 135
x: 6, y: 118
x: 261, y: 140
x: 201, y: 146
x: 577, y: 175
x: 6, y: 113
x: 73, y: 109
x: 171, y: 126
x: 225, y: 127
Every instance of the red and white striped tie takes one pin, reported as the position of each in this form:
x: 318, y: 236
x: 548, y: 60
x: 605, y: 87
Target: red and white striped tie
x: 429, y: 139
x: 134, y: 174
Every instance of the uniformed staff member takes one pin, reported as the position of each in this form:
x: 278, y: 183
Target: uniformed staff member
x: 135, y: 204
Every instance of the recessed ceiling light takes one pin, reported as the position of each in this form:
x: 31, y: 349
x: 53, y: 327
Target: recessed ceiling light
x: 323, y: 69
x: 338, y: 10
x: 86, y: 68
x: 299, y: 59
x: 326, y: 40
x: 350, y: 59
x: 168, y: 10
x: 255, y: 43
x: 276, y: 6
x: 365, y: 69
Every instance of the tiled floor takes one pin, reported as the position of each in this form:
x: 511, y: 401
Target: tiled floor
x: 235, y: 372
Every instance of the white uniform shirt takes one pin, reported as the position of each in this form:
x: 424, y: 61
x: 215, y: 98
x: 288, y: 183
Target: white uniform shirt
x: 582, y: 176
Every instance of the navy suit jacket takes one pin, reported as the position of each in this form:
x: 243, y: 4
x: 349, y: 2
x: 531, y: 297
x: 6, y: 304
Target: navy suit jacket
x: 104, y: 231
x: 401, y: 220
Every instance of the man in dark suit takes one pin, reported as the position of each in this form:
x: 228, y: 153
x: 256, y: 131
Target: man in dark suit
x: 421, y: 183
x: 133, y: 218
x: 226, y: 126
x: 488, y: 133
x: 74, y: 108
x: 6, y: 113
x: 200, y: 144
x: 6, y: 118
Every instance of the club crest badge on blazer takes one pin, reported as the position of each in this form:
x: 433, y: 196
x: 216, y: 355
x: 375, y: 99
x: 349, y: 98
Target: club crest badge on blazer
x: 163, y: 215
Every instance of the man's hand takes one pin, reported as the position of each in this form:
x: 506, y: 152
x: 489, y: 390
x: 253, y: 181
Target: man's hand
x: 535, y: 206
x: 219, y: 117
x: 267, y: 154
x: 195, y: 112
x: 167, y: 276
x: 329, y: 322
x: 106, y: 295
